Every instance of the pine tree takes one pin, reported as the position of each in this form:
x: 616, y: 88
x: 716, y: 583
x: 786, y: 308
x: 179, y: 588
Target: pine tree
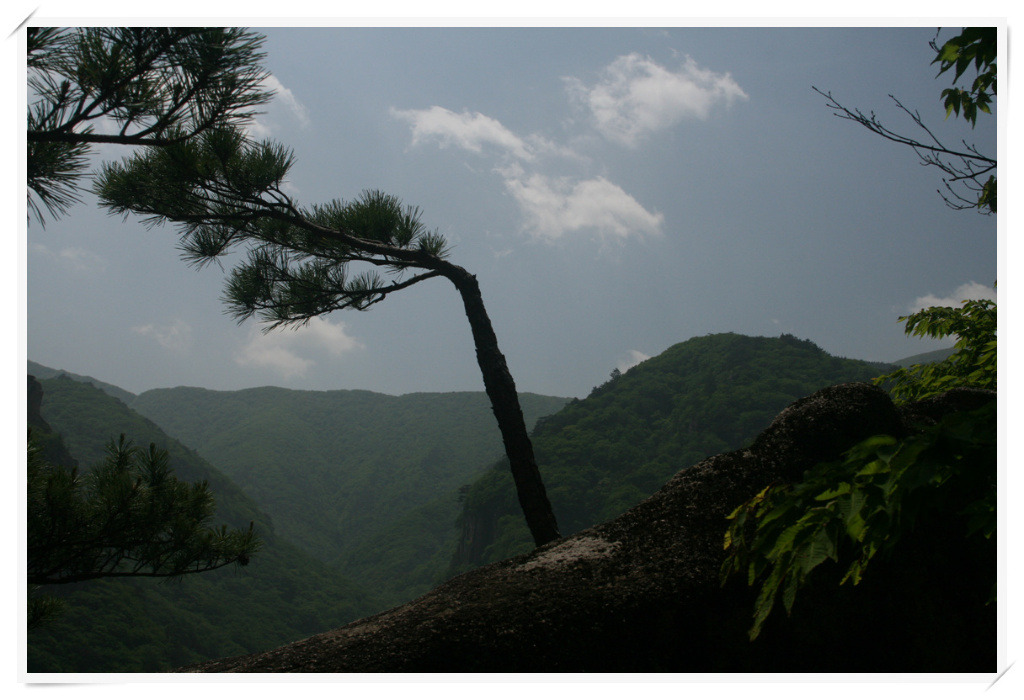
x: 224, y: 191
x: 129, y: 516
x: 133, y: 86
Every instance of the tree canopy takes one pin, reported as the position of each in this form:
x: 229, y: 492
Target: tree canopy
x: 225, y: 190
x: 133, y: 86
x: 975, y: 45
x: 972, y: 365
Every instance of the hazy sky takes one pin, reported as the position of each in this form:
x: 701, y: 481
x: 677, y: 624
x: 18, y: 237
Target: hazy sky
x: 616, y: 191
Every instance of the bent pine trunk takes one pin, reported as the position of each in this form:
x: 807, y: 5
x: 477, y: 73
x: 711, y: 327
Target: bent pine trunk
x: 501, y: 390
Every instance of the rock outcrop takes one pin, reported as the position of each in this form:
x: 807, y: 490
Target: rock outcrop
x: 54, y: 450
x: 641, y: 593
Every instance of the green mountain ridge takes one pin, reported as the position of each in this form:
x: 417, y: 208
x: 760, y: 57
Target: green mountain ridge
x: 925, y: 357
x: 606, y: 453
x: 357, y: 491
x: 42, y: 371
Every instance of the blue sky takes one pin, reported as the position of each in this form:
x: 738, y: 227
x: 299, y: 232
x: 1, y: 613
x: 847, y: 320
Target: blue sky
x: 615, y: 190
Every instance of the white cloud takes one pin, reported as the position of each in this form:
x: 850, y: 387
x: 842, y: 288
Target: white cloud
x: 287, y: 350
x: 971, y: 290
x: 471, y: 131
x: 287, y: 97
x: 266, y: 123
x: 77, y: 259
x: 176, y: 336
x: 551, y: 206
x: 632, y: 359
x: 81, y: 259
x: 273, y: 356
x: 636, y: 96
x: 556, y: 206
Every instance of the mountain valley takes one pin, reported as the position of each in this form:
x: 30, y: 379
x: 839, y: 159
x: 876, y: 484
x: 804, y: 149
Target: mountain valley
x: 368, y: 500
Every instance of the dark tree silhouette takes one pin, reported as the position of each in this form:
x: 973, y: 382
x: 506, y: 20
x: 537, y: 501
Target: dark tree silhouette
x: 133, y: 86
x: 129, y: 516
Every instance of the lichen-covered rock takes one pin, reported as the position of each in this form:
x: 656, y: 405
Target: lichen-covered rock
x: 641, y: 593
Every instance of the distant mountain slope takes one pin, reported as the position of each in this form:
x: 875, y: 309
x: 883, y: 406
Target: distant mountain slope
x: 150, y: 625
x: 340, y: 470
x: 51, y: 444
x: 43, y: 372
x: 925, y: 357
x: 604, y: 454
x: 88, y: 418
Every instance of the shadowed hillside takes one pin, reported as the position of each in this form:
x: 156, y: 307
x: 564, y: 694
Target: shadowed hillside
x: 606, y: 453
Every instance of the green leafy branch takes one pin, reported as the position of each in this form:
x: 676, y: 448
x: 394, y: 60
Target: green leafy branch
x: 975, y: 45
x: 972, y: 365
x: 969, y: 175
x: 853, y: 510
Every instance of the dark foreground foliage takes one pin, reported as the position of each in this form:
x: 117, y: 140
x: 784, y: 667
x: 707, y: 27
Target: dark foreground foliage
x: 127, y: 517
x: 851, y: 510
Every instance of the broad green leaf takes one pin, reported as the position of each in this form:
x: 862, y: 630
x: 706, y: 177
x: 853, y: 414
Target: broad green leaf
x: 776, y: 512
x: 875, y: 466
x: 789, y: 592
x: 830, y: 494
x: 821, y: 547
x: 785, y: 541
x: 766, y: 597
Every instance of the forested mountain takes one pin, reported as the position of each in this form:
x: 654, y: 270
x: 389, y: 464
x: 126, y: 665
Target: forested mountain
x: 146, y: 625
x: 604, y: 454
x: 363, y: 481
x: 355, y: 486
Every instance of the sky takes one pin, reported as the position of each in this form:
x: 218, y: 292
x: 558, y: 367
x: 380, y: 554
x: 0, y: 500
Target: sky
x: 616, y: 190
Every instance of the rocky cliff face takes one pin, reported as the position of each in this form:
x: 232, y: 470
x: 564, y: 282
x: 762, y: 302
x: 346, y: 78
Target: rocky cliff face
x: 641, y: 593
x: 54, y: 450
x: 476, y: 531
